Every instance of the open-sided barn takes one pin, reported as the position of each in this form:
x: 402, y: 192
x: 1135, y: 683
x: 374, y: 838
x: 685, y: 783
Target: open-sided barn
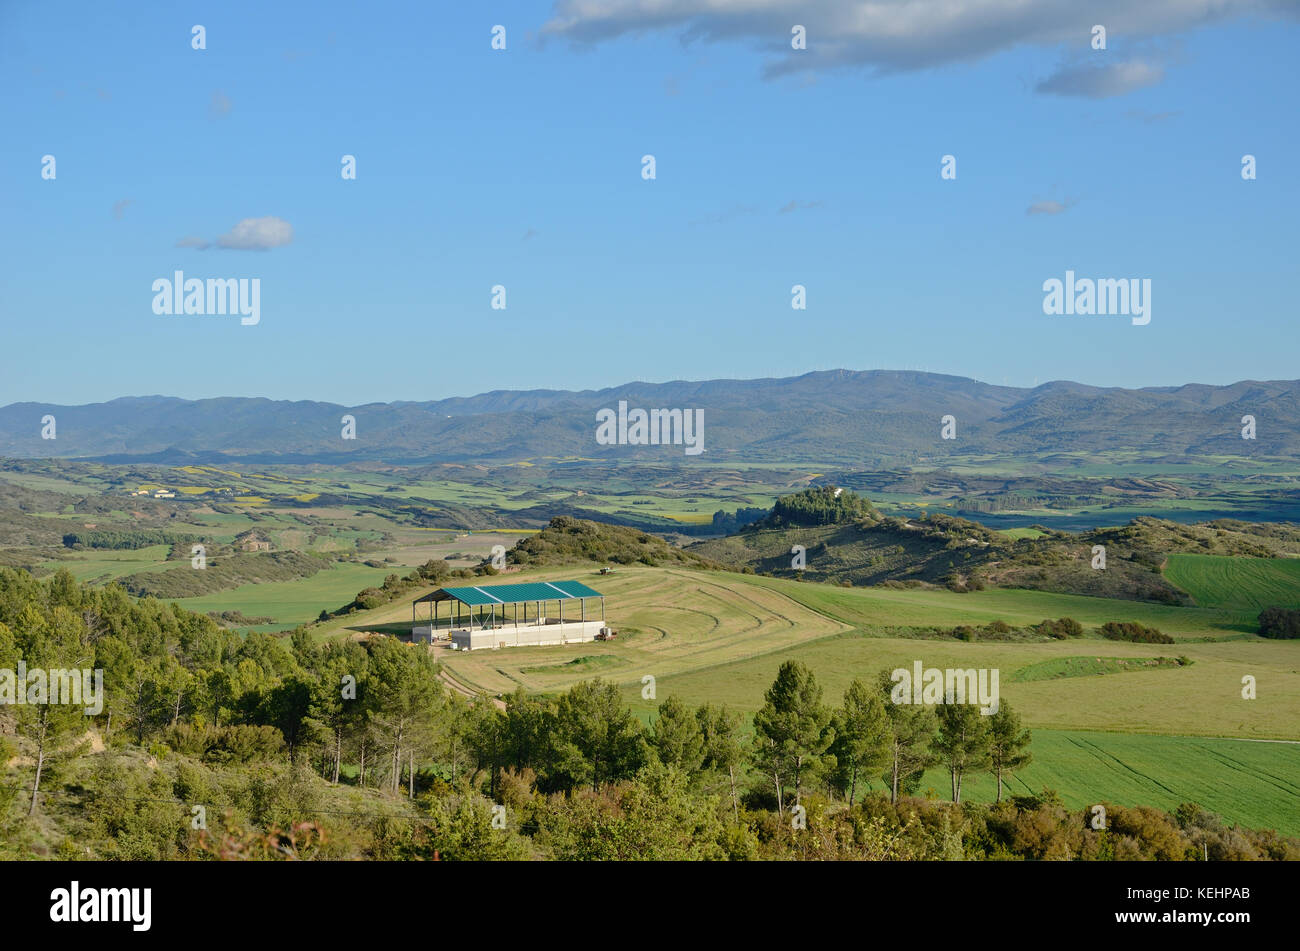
x: 511, y: 615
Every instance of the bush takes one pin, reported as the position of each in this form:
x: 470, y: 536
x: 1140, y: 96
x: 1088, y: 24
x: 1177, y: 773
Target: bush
x: 1132, y: 631
x: 1061, y: 628
x: 1279, y: 623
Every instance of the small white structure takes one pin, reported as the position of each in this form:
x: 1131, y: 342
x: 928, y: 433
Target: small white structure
x: 499, y: 615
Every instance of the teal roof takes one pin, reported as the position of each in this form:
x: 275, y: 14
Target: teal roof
x: 477, y: 595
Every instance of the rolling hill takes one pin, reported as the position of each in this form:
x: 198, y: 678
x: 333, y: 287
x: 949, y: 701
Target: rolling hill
x: 850, y: 417
x: 864, y: 547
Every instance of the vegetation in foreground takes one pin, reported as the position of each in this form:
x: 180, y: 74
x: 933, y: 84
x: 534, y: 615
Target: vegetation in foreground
x: 355, y: 750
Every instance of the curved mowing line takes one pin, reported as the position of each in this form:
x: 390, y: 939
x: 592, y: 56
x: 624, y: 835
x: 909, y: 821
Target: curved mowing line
x: 735, y: 608
x: 673, y: 607
x: 772, y: 612
x: 759, y: 621
x: 1101, y: 754
x: 1281, y: 783
x: 778, y: 593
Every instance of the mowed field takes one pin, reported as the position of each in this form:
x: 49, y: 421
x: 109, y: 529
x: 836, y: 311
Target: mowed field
x: 720, y: 637
x: 669, y: 620
x: 1200, y: 699
x: 879, y: 609
x: 1157, y: 735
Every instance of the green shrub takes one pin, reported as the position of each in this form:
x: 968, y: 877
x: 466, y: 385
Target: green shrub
x: 1132, y: 631
x: 1279, y: 623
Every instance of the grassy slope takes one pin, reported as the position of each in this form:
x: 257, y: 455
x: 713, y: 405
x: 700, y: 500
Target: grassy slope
x: 882, y: 607
x: 1254, y: 784
x: 1144, y: 736
x: 1240, y: 584
x: 291, y: 602
x: 721, y: 637
x: 104, y: 565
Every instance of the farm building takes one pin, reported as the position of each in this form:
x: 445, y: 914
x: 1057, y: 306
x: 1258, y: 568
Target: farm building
x: 252, y: 541
x: 511, y: 615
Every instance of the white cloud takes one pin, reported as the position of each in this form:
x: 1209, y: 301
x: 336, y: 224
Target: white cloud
x: 191, y: 241
x: 1102, y: 81
x: 887, y: 36
x: 257, y: 234
x: 1049, y: 207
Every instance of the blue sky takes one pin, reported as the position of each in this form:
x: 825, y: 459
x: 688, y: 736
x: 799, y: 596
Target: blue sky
x: 522, y: 168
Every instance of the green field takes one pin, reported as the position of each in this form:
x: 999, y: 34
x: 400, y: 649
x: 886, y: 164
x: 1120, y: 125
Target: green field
x: 1237, y: 584
x: 878, y: 608
x: 1113, y: 721
x: 101, y: 565
x: 1254, y: 784
x: 1060, y: 668
x: 1116, y: 722
x: 720, y: 637
x: 291, y: 603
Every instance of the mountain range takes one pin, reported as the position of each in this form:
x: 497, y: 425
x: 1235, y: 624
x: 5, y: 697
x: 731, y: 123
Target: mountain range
x: 844, y: 417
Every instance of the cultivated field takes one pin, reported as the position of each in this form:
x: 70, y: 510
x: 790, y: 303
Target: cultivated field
x: 720, y: 637
x: 1156, y: 735
x: 1246, y: 585
x: 1113, y: 721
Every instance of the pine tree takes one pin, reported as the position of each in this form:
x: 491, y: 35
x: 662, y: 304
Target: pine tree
x: 862, y: 737
x: 676, y: 737
x: 1008, y: 749
x: 723, y: 749
x: 794, y: 729
x: 962, y: 743
x: 911, y: 728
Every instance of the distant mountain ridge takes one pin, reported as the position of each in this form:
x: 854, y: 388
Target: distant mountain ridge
x: 834, y: 416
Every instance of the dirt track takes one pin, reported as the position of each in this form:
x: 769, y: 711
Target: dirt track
x: 454, y: 684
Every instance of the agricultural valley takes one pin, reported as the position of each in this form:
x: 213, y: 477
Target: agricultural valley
x: 720, y: 582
